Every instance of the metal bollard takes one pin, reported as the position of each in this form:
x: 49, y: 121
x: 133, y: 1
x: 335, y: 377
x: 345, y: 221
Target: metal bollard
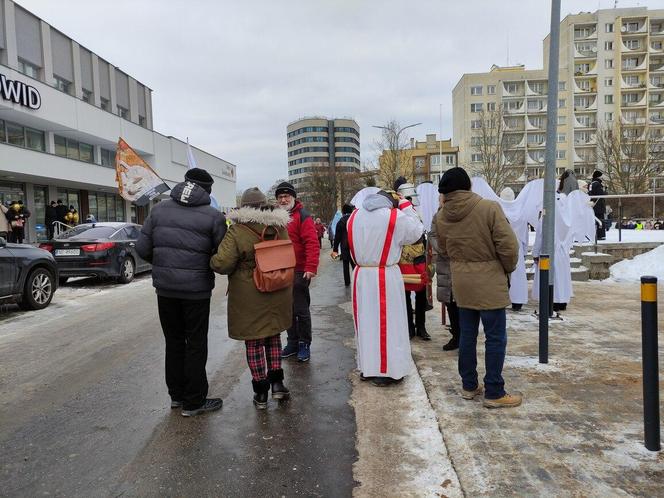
x: 650, y: 363
x: 543, y: 266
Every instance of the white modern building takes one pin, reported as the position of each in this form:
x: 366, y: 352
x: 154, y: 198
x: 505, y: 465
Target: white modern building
x: 62, y: 110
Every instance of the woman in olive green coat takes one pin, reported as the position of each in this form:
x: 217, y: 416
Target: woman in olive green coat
x: 255, y: 317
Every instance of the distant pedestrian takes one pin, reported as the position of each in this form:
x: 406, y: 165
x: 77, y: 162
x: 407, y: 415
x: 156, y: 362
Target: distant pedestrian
x: 178, y: 238
x: 71, y: 218
x: 444, y: 292
x: 597, y: 188
x: 90, y: 218
x: 320, y: 231
x: 302, y: 233
x: 17, y: 216
x: 377, y: 231
x: 61, y: 211
x: 50, y: 217
x: 5, y: 227
x: 340, y: 245
x: 255, y: 317
x: 475, y: 235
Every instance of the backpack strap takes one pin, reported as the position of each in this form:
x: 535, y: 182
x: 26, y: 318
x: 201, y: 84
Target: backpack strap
x: 261, y: 235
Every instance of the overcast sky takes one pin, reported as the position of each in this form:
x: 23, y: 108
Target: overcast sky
x: 231, y: 75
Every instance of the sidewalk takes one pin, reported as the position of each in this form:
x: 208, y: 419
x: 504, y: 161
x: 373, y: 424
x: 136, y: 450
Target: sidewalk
x: 580, y: 429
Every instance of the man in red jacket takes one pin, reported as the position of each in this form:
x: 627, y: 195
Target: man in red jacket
x: 302, y: 233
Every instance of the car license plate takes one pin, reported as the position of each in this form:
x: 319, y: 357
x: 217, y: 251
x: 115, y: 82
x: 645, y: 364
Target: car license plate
x: 67, y: 252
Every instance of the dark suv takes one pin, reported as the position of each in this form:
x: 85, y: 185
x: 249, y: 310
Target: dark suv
x: 28, y: 276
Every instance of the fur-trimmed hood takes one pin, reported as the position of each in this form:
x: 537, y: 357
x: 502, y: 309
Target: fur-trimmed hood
x: 269, y: 217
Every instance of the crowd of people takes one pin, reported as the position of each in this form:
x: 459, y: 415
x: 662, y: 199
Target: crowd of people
x: 627, y: 224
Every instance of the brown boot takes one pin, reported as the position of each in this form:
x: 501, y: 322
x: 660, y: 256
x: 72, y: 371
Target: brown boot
x: 507, y: 401
x: 471, y: 394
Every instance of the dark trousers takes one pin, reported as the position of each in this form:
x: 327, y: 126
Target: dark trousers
x: 420, y: 310
x: 348, y: 265
x: 494, y: 323
x: 601, y: 231
x: 300, y: 329
x: 453, y: 313
x: 17, y: 235
x: 185, y: 326
x: 50, y: 229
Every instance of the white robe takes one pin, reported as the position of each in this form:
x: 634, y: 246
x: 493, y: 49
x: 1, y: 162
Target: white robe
x: 519, y: 278
x: 389, y: 355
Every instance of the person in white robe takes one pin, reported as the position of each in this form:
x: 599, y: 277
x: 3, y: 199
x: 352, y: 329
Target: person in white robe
x: 376, y: 233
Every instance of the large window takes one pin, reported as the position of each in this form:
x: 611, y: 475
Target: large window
x: 106, y: 207
x: 34, y: 139
x: 15, y: 134
x: 62, y: 84
x: 28, y: 69
x: 73, y: 149
x: 108, y: 158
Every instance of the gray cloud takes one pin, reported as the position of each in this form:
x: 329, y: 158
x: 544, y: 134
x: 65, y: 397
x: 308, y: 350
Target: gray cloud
x: 231, y: 75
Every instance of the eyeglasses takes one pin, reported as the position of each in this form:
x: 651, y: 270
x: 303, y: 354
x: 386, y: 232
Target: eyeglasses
x: 284, y: 197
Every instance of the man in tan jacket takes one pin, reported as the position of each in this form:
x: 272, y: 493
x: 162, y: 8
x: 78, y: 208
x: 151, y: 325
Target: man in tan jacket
x: 483, y: 250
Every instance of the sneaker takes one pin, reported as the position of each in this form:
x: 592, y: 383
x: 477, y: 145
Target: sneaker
x: 471, y: 394
x: 304, y: 352
x: 176, y: 404
x: 451, y: 345
x: 210, y: 405
x: 507, y: 401
x: 289, y: 350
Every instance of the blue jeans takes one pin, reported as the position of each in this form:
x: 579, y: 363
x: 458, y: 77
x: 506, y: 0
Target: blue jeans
x: 494, y: 323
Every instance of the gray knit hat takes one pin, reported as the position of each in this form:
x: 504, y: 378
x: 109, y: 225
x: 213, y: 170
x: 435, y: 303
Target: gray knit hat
x: 253, y: 197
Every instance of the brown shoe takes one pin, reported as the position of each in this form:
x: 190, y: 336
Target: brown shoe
x: 507, y: 401
x: 471, y: 394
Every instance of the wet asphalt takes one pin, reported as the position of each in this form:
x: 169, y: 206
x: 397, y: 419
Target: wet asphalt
x: 84, y: 410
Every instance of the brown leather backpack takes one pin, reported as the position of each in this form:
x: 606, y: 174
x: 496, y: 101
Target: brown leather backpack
x: 275, y: 262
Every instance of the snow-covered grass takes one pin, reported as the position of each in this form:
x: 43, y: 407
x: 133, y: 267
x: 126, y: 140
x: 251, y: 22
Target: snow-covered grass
x: 631, y: 270
x: 627, y: 236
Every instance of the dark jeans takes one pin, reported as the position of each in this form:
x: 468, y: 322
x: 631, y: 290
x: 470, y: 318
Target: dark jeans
x: 348, y: 265
x: 185, y: 326
x: 494, y: 323
x: 420, y: 310
x: 300, y: 329
x: 453, y: 313
x: 50, y: 229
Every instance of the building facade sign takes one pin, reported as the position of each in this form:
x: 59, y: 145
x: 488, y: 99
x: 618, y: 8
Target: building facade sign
x: 19, y: 93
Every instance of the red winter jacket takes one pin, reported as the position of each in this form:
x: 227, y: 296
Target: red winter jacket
x: 302, y: 233
x: 320, y: 229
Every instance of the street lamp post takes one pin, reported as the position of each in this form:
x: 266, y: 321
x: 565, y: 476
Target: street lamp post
x: 397, y: 134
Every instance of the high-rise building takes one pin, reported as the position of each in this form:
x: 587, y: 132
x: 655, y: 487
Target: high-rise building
x: 317, y: 143
x: 611, y: 68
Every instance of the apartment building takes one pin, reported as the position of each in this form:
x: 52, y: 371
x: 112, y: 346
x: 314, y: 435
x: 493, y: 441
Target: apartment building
x: 611, y: 68
x: 62, y: 109
x: 315, y: 144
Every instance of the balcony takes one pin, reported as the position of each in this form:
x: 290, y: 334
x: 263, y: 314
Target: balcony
x: 657, y: 29
x: 513, y: 125
x: 656, y: 47
x: 628, y: 46
x: 535, y: 123
x: 635, y: 66
x: 586, y: 33
x: 585, y: 86
x: 656, y: 118
x: 535, y: 157
x: 536, y: 88
x: 585, y: 70
x: 514, y: 109
x: 629, y: 28
x: 585, y: 51
x: 585, y: 139
x: 536, y: 106
x: 585, y: 122
x: 631, y: 84
x: 657, y: 66
x: 633, y: 120
x: 513, y: 89
x: 584, y: 156
x: 536, y: 140
x: 656, y: 83
x: 639, y: 101
x: 582, y: 104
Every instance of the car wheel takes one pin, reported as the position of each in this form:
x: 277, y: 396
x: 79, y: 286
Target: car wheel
x: 38, y: 290
x: 63, y: 280
x: 127, y: 271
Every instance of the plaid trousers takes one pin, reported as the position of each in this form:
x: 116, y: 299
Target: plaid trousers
x: 260, y: 350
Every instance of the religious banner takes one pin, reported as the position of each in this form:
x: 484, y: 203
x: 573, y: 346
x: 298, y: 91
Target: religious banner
x: 137, y: 181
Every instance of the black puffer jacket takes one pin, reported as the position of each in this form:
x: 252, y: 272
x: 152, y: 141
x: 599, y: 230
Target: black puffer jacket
x: 179, y: 238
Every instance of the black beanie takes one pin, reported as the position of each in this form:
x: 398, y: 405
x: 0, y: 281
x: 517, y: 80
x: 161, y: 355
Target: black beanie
x: 454, y: 179
x: 398, y: 182
x: 285, y: 188
x: 597, y: 174
x: 347, y: 209
x: 201, y: 178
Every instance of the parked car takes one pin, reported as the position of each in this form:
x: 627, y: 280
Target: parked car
x: 103, y: 250
x: 28, y: 276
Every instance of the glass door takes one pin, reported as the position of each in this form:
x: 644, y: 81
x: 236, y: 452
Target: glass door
x: 39, y: 212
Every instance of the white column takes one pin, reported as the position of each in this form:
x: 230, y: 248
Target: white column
x: 114, y: 99
x: 133, y: 100
x: 76, y: 61
x: 47, y: 54
x: 148, y: 107
x: 10, y: 56
x: 95, y: 81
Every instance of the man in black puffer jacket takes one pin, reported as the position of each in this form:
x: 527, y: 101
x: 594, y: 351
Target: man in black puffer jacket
x: 179, y: 238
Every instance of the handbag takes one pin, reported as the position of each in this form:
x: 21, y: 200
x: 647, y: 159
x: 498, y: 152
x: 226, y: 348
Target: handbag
x: 275, y: 262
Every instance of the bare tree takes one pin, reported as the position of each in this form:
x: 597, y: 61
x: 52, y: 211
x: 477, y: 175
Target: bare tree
x: 320, y: 188
x: 498, y: 155
x: 630, y: 157
x: 394, y: 154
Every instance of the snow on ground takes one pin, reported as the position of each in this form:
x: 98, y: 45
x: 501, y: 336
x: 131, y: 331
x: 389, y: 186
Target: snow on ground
x: 631, y: 270
x: 627, y: 236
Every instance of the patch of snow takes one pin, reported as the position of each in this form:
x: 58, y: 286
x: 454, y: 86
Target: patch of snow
x: 532, y: 362
x: 594, y: 254
x: 631, y: 270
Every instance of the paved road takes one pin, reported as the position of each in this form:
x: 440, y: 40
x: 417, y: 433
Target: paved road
x: 83, y: 405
